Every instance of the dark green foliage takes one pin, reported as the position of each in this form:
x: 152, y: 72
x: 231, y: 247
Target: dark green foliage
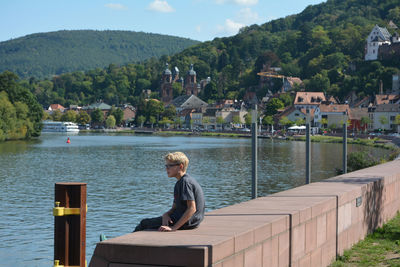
x: 46, y: 54
x: 360, y: 160
x: 323, y: 45
x: 20, y: 113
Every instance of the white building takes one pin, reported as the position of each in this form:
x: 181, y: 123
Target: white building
x: 378, y: 37
x: 335, y: 115
x: 383, y: 116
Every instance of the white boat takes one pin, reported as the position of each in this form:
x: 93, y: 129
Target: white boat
x: 60, y: 127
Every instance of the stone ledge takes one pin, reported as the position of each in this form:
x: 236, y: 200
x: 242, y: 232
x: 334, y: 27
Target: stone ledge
x: 307, y: 225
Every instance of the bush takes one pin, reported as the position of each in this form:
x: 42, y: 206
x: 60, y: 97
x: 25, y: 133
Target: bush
x: 360, y: 160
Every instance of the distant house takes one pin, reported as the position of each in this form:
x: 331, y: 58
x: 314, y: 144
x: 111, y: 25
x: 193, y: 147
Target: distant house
x: 227, y: 114
x: 129, y: 113
x: 361, y: 103
x: 381, y: 44
x: 290, y: 82
x: 383, y: 116
x: 333, y: 113
x: 188, y: 102
x: 105, y: 108
x: 355, y: 117
x: 386, y: 99
x: 294, y: 114
x: 54, y: 107
x: 308, y: 100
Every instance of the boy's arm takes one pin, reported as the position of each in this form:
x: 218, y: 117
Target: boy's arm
x: 166, y: 219
x: 190, y: 210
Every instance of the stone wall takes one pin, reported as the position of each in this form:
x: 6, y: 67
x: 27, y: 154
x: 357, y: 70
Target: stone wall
x: 305, y: 226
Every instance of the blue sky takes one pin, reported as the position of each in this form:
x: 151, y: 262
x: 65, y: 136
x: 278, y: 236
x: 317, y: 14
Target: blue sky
x: 196, y: 19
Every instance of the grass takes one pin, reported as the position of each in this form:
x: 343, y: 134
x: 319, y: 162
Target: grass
x: 214, y: 134
x: 381, y: 248
x: 375, y: 142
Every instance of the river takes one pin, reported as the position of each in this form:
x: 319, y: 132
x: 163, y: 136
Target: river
x: 126, y: 181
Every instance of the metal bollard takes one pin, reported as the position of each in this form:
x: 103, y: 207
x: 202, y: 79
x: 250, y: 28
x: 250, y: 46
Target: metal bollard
x: 70, y: 225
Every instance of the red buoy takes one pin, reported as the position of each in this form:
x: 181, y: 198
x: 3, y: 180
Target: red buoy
x: 68, y: 141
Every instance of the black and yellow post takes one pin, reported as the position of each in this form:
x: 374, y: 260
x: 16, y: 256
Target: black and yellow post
x: 70, y: 225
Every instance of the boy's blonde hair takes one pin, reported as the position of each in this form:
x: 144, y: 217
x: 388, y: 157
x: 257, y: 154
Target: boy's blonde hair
x: 178, y: 157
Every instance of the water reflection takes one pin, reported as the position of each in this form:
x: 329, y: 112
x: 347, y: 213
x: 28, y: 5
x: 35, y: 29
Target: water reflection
x: 126, y: 181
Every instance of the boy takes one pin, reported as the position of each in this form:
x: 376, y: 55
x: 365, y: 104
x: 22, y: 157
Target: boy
x: 187, y: 210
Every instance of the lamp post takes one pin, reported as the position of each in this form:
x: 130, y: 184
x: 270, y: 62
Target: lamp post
x: 254, y: 152
x: 344, y: 142
x: 308, y: 148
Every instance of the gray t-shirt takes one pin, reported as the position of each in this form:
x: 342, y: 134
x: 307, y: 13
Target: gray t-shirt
x: 187, y: 188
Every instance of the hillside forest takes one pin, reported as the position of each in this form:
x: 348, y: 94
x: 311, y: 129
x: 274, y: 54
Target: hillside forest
x: 43, y: 55
x: 323, y: 45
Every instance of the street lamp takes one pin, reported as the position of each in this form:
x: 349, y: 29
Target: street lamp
x: 344, y: 142
x: 254, y: 152
x: 308, y: 148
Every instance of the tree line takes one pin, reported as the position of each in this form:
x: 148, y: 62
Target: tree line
x: 43, y: 55
x: 323, y: 45
x: 20, y: 113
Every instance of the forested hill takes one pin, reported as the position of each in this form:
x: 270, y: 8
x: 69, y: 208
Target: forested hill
x: 44, y: 54
x: 323, y: 45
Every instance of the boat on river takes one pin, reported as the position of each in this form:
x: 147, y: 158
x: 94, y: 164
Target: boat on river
x: 60, y: 127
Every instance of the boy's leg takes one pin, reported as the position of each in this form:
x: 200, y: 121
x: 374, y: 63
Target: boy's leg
x: 150, y: 223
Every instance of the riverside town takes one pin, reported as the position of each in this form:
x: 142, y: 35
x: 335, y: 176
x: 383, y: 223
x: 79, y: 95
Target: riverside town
x: 225, y: 139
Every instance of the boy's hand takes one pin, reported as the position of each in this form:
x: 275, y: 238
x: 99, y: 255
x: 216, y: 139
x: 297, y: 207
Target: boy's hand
x: 166, y: 219
x: 165, y: 229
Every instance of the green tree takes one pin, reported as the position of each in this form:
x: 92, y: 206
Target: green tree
x: 324, y: 122
x: 287, y: 99
x: 364, y: 122
x: 154, y: 108
x: 248, y: 119
x: 318, y: 83
x: 152, y: 120
x: 21, y: 110
x: 83, y: 118
x: 110, y: 121
x: 97, y: 116
x: 300, y: 121
x: 211, y: 91
x: 383, y: 120
x: 236, y: 119
x: 56, y: 115
x: 170, y: 112
x: 273, y: 105
x: 285, y: 122
x: 220, y: 121
x: 178, y: 122
x: 118, y: 114
x: 140, y: 120
x: 206, y: 121
x: 70, y: 115
x: 165, y: 122
x: 268, y: 120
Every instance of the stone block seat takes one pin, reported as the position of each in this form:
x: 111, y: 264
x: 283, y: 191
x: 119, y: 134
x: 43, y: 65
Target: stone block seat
x: 304, y: 226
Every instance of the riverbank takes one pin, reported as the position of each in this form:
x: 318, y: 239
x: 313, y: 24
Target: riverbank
x: 374, y: 142
x: 381, y: 248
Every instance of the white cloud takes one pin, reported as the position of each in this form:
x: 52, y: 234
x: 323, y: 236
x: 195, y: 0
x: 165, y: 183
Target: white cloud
x: 230, y: 27
x: 198, y: 28
x: 115, y: 6
x: 160, y: 6
x: 247, y: 16
x: 243, y: 18
x: 238, y: 2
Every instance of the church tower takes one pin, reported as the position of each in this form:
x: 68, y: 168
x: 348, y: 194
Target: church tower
x: 190, y: 82
x: 166, y: 86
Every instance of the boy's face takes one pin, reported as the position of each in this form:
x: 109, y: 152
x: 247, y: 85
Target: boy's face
x: 172, y: 168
